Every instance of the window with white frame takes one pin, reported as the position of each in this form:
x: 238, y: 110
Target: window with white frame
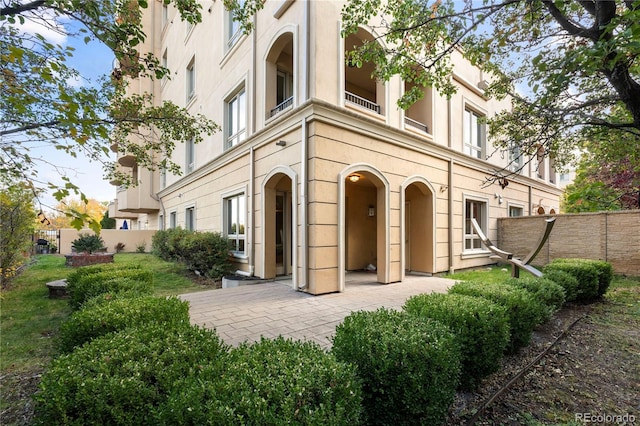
x: 515, y: 158
x: 190, y: 218
x: 172, y: 220
x: 516, y: 211
x: 474, y: 209
x: 191, y: 80
x: 234, y: 223
x: 233, y: 27
x: 165, y: 14
x: 190, y: 155
x: 161, y: 222
x: 284, y: 87
x: 474, y: 132
x: 236, y: 118
x: 165, y: 64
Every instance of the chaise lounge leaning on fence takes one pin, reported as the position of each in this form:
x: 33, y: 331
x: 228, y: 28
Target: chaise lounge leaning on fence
x: 516, y: 263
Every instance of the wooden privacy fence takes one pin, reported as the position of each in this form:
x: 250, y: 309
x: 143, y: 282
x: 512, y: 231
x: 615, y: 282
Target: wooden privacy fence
x: 610, y: 236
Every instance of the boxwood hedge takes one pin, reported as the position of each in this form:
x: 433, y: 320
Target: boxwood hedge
x: 109, y: 281
x: 585, y: 273
x: 525, y: 312
x: 271, y: 382
x: 409, y: 366
x: 79, y: 273
x: 125, y: 378
x: 481, y: 326
x: 100, y: 319
x: 604, y: 271
x: 543, y: 289
x: 565, y: 280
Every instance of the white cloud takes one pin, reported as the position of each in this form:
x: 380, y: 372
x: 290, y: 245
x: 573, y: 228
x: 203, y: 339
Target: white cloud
x: 46, y: 24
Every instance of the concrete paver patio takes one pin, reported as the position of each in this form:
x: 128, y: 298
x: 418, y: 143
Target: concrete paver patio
x: 273, y: 308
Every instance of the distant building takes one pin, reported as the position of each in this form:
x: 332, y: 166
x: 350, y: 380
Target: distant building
x: 316, y: 170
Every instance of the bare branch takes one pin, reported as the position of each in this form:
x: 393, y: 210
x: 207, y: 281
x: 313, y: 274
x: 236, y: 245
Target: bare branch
x: 18, y: 8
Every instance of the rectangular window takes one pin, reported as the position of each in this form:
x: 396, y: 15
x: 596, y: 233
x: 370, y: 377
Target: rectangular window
x: 165, y: 15
x: 516, y: 211
x: 477, y: 210
x: 165, y: 64
x: 161, y: 222
x: 234, y: 223
x: 236, y: 119
x: 233, y: 27
x: 474, y: 134
x: 190, y: 219
x: 515, y: 159
x: 190, y: 156
x: 172, y: 220
x: 191, y: 80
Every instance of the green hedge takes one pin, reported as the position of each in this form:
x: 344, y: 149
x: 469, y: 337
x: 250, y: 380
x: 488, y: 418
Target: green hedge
x: 551, y: 294
x: 99, y: 319
x: 409, y: 366
x: 79, y: 273
x: 565, y: 280
x: 604, y: 270
x: 525, y: 312
x: 272, y: 382
x: 205, y: 252
x: 109, y: 281
x: 125, y: 378
x: 585, y: 273
x: 481, y: 326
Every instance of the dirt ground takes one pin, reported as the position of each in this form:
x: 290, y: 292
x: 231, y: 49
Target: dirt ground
x: 591, y: 368
x: 591, y: 371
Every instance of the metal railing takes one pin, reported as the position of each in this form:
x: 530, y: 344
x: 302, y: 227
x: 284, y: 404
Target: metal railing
x: 418, y: 125
x: 281, y: 106
x: 364, y: 103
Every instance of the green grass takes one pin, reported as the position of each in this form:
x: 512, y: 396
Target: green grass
x: 488, y: 274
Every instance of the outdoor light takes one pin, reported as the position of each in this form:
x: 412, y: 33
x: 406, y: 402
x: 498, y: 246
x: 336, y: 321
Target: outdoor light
x: 354, y: 178
x: 281, y: 143
x: 372, y: 211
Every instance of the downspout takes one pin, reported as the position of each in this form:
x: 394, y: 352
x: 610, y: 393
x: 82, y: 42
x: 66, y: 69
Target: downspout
x: 450, y: 185
x: 253, y: 75
x: 252, y: 249
x: 530, y: 201
x: 304, y: 276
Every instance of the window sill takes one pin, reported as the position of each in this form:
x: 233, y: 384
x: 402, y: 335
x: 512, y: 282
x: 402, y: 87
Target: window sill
x: 473, y: 254
x: 239, y: 258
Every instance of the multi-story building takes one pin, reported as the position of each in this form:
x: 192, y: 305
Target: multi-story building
x: 316, y: 170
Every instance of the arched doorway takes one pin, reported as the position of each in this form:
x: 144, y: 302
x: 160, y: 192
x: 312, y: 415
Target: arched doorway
x: 418, y: 226
x: 363, y: 222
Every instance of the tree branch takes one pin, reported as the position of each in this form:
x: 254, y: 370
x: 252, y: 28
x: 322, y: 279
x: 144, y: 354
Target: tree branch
x: 19, y: 8
x: 28, y: 127
x: 570, y: 27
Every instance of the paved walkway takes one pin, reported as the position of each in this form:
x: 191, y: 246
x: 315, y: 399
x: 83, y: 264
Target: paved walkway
x: 271, y: 309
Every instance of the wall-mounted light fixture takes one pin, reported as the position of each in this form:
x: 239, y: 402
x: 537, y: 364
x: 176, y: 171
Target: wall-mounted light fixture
x: 372, y: 211
x: 281, y: 143
x: 354, y: 178
x: 499, y: 197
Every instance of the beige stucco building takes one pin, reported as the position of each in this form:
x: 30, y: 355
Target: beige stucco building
x: 316, y: 170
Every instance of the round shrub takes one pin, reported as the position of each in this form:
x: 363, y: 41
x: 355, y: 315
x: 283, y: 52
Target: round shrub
x: 552, y: 295
x: 100, y: 319
x: 206, y: 252
x: 565, y: 280
x: 524, y: 311
x: 481, y: 326
x: 124, y: 378
x: 409, y: 366
x: 110, y: 281
x: 585, y: 273
x: 272, y: 382
x: 603, y: 269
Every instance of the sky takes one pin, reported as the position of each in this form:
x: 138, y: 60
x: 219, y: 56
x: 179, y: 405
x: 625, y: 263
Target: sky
x: 92, y: 61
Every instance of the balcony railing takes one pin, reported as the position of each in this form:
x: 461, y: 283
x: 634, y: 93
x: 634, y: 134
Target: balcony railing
x: 418, y: 125
x: 281, y: 106
x: 364, y: 103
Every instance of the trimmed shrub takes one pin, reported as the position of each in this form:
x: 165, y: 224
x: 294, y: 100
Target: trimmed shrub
x: 79, y: 273
x: 125, y: 378
x: 525, y: 312
x: 565, y: 280
x: 409, y: 366
x: 585, y: 273
x: 87, y: 243
x: 481, y: 326
x: 90, y: 286
x: 166, y: 243
x: 99, y: 319
x: 604, y: 269
x: 552, y: 295
x: 206, y: 252
x: 272, y: 382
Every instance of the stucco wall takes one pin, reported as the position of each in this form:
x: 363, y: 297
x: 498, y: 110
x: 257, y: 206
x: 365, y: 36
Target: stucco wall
x: 130, y: 238
x: 610, y: 236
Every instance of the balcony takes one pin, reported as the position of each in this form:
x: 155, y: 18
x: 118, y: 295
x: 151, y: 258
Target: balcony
x: 127, y: 160
x: 281, y: 107
x: 115, y: 213
x: 362, y: 102
x: 416, y: 124
x: 137, y: 199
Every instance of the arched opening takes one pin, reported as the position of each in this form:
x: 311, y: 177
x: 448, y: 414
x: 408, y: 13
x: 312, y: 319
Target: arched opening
x: 419, y: 114
x: 361, y: 88
x: 419, y: 228
x: 280, y: 80
x: 278, y: 226
x: 364, y: 223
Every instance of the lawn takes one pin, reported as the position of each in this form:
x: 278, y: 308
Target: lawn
x: 29, y: 320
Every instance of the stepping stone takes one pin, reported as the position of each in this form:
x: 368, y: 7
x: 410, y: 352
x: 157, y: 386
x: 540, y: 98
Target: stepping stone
x: 57, y: 289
